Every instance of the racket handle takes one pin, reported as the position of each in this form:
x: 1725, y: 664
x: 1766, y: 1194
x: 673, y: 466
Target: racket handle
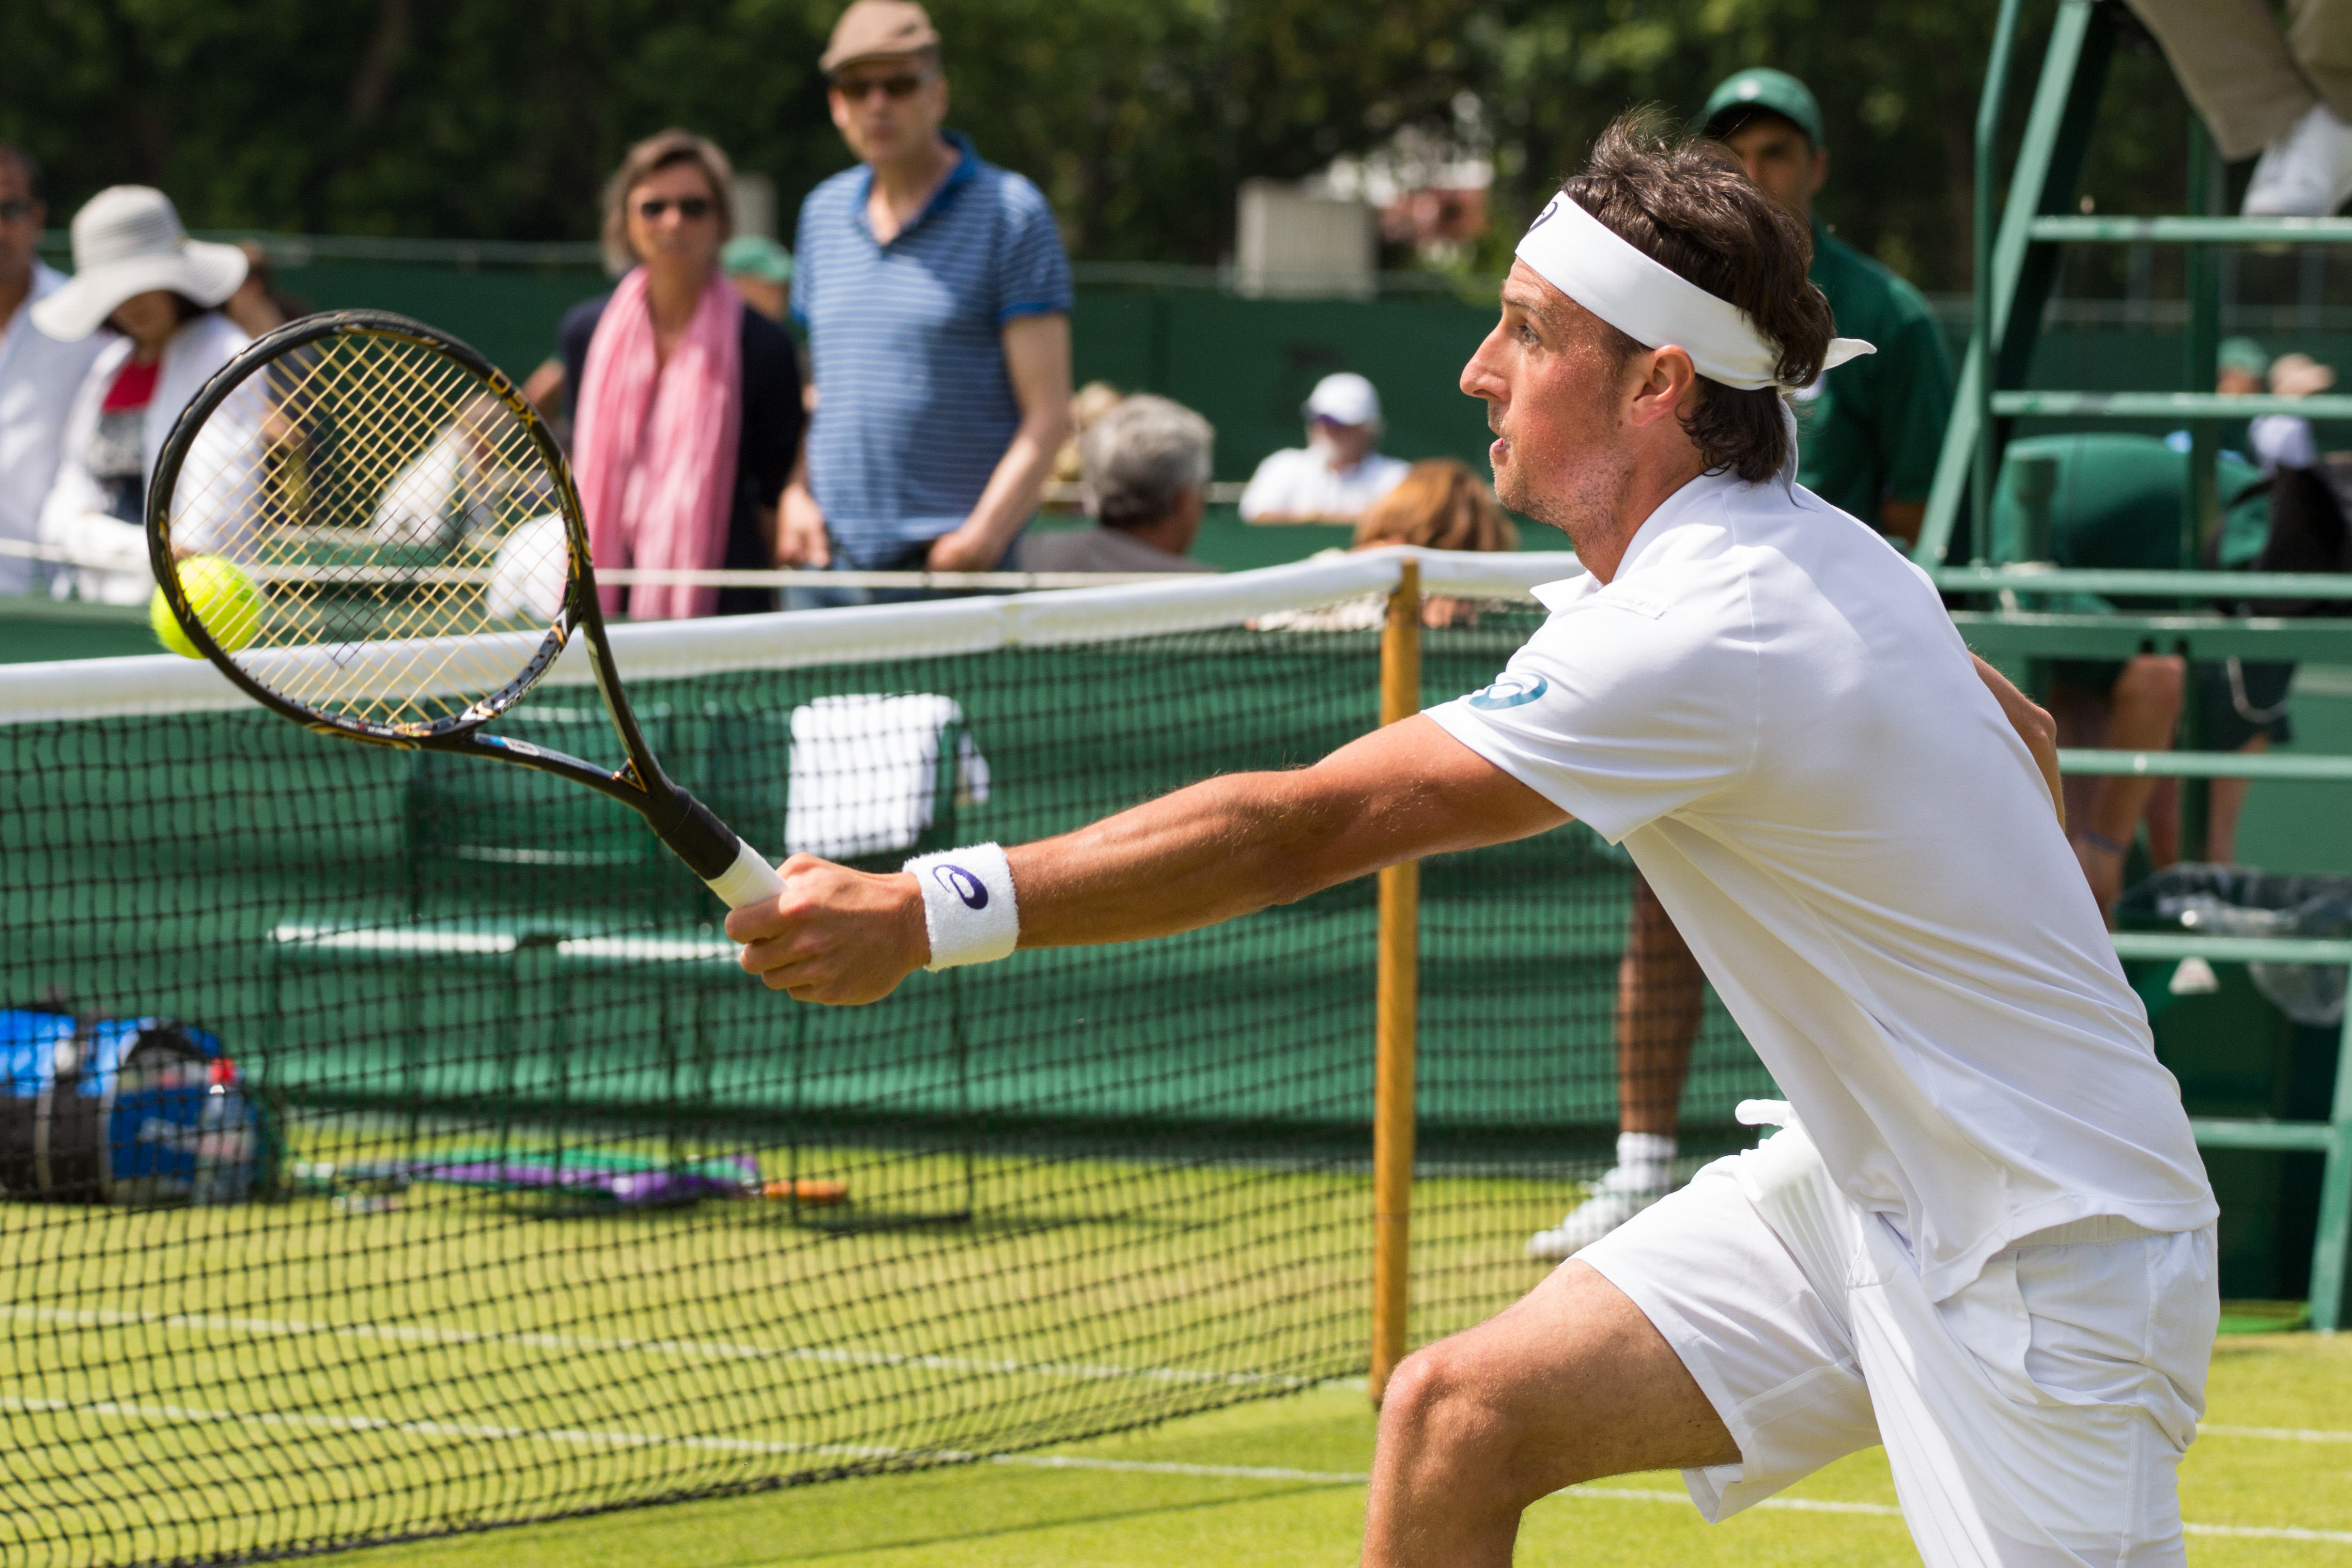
x: 750, y: 880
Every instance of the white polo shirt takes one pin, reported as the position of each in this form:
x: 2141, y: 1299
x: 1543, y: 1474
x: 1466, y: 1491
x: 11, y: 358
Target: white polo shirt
x: 38, y: 379
x: 1771, y: 711
x: 1299, y: 481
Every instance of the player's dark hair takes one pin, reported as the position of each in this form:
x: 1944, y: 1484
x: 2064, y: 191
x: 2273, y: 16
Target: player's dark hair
x: 1685, y: 203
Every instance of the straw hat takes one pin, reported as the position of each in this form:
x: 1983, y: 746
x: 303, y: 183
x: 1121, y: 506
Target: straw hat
x: 2299, y: 375
x: 127, y: 240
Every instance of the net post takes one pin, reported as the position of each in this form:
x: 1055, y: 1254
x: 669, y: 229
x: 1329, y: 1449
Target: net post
x: 1399, y: 997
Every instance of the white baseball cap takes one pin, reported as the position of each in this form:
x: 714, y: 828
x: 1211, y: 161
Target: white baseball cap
x: 1345, y: 398
x: 127, y: 240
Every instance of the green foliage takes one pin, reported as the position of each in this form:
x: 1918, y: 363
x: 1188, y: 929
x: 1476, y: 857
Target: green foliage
x: 1898, y: 83
x: 1139, y: 118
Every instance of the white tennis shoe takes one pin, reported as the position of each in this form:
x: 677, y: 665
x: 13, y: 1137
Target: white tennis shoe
x: 1614, y: 1199
x: 2306, y: 173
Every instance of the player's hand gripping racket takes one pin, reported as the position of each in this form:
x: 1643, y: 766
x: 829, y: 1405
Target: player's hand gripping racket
x: 421, y: 556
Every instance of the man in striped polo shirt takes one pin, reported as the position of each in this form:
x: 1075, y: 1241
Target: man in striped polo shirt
x: 936, y: 294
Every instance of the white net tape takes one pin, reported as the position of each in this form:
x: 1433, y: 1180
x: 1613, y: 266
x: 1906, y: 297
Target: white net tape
x: 165, y: 683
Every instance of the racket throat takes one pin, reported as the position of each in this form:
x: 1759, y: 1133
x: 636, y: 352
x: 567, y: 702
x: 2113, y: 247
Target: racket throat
x: 694, y: 834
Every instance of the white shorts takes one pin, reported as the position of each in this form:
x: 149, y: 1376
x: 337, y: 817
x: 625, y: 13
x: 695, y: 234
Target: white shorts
x: 2036, y: 1417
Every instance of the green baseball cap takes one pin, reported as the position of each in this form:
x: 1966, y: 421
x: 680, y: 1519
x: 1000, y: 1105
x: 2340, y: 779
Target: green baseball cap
x: 1761, y: 86
x: 756, y: 256
x: 2244, y: 354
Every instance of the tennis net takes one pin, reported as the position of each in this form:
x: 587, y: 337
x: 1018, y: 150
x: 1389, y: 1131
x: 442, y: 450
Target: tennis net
x: 394, y: 1147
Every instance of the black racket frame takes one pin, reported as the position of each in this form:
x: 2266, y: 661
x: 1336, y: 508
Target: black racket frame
x: 692, y: 831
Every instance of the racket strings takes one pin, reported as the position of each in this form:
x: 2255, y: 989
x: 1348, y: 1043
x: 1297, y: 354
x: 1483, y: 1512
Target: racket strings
x: 398, y: 519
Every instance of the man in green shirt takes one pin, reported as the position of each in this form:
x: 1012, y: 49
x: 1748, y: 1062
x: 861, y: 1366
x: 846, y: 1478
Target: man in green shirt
x: 1867, y: 437
x: 1868, y: 433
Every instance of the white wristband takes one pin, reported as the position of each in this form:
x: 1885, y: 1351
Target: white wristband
x: 969, y: 909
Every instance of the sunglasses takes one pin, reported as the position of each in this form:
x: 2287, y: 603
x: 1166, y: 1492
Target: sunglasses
x: 691, y: 208
x: 857, y: 90
x: 16, y: 209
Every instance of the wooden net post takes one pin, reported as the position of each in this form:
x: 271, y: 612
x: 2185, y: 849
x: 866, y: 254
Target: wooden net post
x: 1399, y: 996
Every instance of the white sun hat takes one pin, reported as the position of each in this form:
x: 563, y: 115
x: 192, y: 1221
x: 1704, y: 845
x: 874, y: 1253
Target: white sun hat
x: 127, y: 240
x: 1343, y: 398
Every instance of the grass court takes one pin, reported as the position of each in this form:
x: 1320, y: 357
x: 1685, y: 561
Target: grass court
x: 2269, y: 1482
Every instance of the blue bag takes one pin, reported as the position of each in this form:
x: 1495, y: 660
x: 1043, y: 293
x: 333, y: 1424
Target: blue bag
x: 127, y: 1111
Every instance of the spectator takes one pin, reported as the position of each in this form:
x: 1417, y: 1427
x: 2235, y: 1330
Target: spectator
x: 1438, y: 504
x: 1869, y: 432
x: 936, y: 297
x: 2115, y: 500
x: 1087, y: 405
x: 38, y: 373
x: 260, y: 305
x: 1146, y: 467
x: 137, y: 272
x: 2291, y: 523
x: 2242, y: 365
x: 2285, y: 93
x: 2284, y: 440
x: 761, y: 272
x: 685, y: 406
x: 1339, y: 471
x: 2295, y: 525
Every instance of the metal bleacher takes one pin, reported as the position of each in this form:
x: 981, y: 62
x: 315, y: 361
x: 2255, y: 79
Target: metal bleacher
x: 2015, y: 272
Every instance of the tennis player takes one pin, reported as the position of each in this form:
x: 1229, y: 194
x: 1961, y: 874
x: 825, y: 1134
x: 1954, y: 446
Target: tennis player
x: 1983, y: 1236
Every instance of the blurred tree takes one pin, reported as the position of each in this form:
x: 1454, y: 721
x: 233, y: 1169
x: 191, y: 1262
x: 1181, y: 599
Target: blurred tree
x: 1898, y: 83
x: 1139, y: 118
x: 498, y: 121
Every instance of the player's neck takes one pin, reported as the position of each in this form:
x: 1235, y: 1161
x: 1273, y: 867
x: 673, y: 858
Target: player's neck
x: 1603, y: 526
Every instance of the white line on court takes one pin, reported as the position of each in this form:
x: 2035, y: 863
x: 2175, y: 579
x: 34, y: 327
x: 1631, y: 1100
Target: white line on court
x: 721, y: 1350
x: 413, y: 1333
x: 2277, y: 1434
x: 178, y: 1414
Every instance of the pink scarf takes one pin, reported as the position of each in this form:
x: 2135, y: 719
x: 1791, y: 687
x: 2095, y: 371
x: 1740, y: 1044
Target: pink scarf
x: 655, y: 444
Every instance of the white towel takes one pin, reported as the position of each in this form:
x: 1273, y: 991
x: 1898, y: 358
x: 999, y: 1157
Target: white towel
x: 531, y: 572
x: 414, y: 510
x: 865, y: 771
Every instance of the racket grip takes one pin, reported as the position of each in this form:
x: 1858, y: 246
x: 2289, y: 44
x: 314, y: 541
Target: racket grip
x: 750, y: 880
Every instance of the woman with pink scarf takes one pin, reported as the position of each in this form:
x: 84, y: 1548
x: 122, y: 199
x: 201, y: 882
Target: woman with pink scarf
x: 685, y: 406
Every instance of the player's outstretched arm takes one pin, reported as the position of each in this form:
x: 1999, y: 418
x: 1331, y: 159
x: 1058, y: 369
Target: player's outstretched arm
x: 1221, y: 848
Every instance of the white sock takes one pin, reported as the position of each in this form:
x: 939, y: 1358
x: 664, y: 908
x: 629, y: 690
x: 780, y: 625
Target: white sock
x: 1645, y: 1161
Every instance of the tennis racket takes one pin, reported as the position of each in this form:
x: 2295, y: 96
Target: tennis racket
x: 420, y: 557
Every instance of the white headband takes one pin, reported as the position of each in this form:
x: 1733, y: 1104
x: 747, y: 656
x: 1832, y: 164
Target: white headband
x: 1583, y: 257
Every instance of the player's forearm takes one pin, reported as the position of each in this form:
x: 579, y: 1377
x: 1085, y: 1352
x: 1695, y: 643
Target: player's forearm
x: 1203, y: 854
x: 1207, y: 854
x: 1234, y: 845
x: 1217, y: 849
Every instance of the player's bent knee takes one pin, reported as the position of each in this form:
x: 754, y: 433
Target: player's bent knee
x: 1449, y: 1426
x: 1431, y: 1407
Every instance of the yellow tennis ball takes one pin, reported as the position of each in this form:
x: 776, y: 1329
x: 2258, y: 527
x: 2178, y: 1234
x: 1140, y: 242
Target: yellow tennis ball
x: 223, y: 598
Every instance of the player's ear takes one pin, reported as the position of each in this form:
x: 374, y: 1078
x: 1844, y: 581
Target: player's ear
x: 1667, y: 377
